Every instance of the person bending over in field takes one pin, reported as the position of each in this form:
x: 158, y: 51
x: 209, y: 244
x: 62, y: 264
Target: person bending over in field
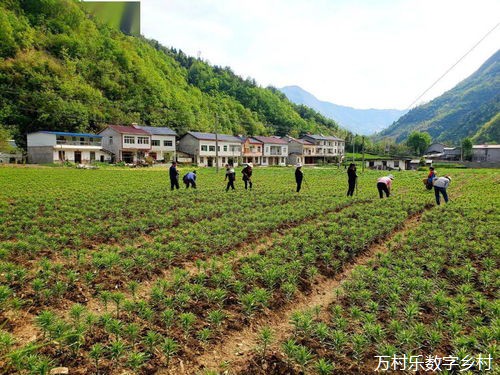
x: 351, y: 179
x: 428, y: 182
x: 247, y: 176
x: 174, y: 176
x: 440, y: 186
x: 384, y: 185
x: 230, y: 177
x: 299, y: 176
x: 190, y: 179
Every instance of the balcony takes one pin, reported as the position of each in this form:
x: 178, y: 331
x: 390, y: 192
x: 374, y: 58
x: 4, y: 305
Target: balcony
x: 77, y: 143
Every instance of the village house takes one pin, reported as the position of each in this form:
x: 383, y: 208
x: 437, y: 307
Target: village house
x: 275, y: 150
x: 201, y: 147
x: 251, y: 150
x: 12, y: 154
x: 389, y: 164
x: 300, y: 151
x: 54, y: 146
x: 328, y: 149
x: 126, y: 143
x: 486, y: 153
x: 162, y: 142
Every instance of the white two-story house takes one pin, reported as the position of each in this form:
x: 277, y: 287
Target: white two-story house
x: 162, y: 142
x: 327, y: 149
x: 275, y: 150
x: 54, y: 146
x: 202, y: 148
x: 126, y: 143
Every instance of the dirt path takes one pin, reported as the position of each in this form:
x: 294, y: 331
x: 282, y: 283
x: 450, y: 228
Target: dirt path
x: 235, y: 349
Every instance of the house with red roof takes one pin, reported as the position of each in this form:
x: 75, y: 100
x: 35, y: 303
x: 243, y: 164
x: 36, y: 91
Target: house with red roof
x: 126, y: 143
x: 275, y: 150
x: 251, y: 150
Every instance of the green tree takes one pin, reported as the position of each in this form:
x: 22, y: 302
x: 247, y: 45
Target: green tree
x: 467, y: 149
x: 418, y: 142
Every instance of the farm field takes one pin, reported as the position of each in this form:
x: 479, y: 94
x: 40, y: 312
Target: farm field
x: 108, y: 271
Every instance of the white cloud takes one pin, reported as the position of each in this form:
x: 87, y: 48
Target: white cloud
x: 363, y: 53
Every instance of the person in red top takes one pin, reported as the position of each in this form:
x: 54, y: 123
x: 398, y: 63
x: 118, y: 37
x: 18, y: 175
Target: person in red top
x: 430, y: 178
x: 384, y: 185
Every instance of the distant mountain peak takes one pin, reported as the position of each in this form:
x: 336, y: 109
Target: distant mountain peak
x: 361, y: 121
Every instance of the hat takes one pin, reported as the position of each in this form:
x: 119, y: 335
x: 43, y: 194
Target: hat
x: 448, y: 177
x: 391, y: 177
x: 298, y: 165
x: 250, y: 165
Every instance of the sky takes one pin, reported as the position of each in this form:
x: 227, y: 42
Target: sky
x: 359, y: 53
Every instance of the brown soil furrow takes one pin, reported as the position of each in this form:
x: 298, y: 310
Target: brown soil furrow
x: 235, y: 349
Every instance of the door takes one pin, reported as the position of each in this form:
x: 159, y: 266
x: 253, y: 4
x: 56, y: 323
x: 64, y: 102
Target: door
x: 78, y: 157
x: 210, y: 162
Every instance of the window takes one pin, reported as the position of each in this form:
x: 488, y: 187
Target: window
x: 267, y: 150
x: 110, y: 140
x: 283, y: 150
x: 143, y: 140
x: 225, y: 149
x: 155, y: 142
x: 167, y: 143
x: 204, y: 148
x: 223, y: 160
x: 211, y: 148
x: 201, y: 159
x: 396, y: 163
x: 128, y: 139
x: 264, y: 160
x: 371, y: 164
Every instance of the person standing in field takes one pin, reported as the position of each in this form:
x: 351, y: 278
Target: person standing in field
x: 440, y: 186
x: 384, y: 185
x: 299, y: 176
x: 351, y: 179
x: 174, y: 176
x: 190, y: 179
x: 247, y: 176
x: 230, y: 177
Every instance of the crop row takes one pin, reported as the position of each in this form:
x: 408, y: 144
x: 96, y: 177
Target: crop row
x: 434, y: 295
x: 184, y: 313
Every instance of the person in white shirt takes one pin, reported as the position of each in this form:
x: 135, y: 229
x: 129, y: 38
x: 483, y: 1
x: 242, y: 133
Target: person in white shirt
x: 384, y: 185
x: 440, y: 186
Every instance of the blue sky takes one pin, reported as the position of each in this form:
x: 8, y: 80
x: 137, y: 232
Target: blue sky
x: 361, y: 53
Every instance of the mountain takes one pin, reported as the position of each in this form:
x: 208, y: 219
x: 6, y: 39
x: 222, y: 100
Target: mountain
x: 470, y: 109
x: 62, y: 69
x: 360, y: 121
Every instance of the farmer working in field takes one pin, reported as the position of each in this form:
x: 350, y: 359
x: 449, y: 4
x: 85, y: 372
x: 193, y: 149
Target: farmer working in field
x: 430, y: 178
x: 299, y: 176
x: 190, y: 179
x: 174, y: 176
x: 384, y: 185
x: 351, y: 179
x: 247, y: 175
x: 230, y: 176
x: 440, y: 186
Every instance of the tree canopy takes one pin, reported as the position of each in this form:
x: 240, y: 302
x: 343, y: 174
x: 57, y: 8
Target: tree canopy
x: 418, y: 142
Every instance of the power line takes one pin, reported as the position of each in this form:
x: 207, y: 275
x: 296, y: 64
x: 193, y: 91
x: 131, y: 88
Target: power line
x: 456, y: 63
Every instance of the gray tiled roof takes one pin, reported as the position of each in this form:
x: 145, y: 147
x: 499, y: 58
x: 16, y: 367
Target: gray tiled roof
x: 157, y: 130
x: 323, y: 137
x: 211, y: 137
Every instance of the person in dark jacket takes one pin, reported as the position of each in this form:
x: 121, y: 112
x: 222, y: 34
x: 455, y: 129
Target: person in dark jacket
x: 190, y: 179
x: 247, y: 176
x: 230, y: 177
x: 299, y: 176
x: 174, y: 176
x: 351, y: 179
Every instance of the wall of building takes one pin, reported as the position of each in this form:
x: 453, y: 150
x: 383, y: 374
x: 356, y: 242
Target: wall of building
x: 40, y: 154
x: 41, y: 139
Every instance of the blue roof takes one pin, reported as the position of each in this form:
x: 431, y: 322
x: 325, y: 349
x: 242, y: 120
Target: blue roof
x: 157, y: 130
x: 71, y: 134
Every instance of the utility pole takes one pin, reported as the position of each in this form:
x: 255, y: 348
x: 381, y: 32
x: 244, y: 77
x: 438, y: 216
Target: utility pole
x: 216, y: 145
x: 363, y: 146
x: 353, y: 148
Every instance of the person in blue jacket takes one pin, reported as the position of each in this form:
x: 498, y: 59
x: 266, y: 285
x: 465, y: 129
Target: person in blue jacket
x: 189, y: 179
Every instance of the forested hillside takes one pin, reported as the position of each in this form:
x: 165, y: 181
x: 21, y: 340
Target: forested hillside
x: 62, y: 70
x: 470, y: 109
